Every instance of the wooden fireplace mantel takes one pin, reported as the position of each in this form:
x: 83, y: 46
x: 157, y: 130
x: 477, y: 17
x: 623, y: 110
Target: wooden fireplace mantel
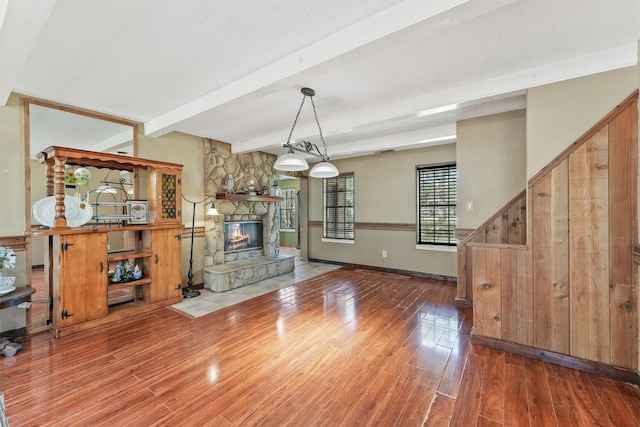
x: 234, y: 197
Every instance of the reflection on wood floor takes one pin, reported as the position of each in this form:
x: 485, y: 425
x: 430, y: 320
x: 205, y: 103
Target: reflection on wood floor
x: 350, y: 347
x: 39, y: 312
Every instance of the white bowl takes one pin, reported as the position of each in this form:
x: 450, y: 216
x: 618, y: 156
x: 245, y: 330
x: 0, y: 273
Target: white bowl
x: 9, y: 350
x: 7, y: 281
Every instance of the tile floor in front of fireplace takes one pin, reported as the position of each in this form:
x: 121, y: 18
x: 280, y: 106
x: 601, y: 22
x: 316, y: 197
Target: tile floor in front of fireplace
x: 209, y: 301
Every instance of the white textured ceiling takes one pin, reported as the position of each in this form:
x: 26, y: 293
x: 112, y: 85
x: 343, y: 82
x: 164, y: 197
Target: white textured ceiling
x: 232, y: 71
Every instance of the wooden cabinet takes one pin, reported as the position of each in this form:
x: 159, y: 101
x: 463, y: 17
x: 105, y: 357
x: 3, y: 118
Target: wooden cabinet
x: 84, y: 295
x: 165, y: 189
x: 164, y: 265
x: 79, y: 279
x: 171, y: 188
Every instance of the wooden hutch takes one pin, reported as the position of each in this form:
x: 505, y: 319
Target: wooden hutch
x: 79, y: 262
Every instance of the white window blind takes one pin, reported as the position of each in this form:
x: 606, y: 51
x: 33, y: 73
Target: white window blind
x: 437, y: 204
x: 339, y: 210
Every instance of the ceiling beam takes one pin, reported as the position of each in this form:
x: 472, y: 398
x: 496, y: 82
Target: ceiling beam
x: 376, y: 27
x: 503, y: 86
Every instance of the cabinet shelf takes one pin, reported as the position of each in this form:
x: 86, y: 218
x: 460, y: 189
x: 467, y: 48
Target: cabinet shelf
x: 111, y: 204
x: 121, y: 256
x: 120, y: 285
x: 234, y: 197
x: 120, y: 300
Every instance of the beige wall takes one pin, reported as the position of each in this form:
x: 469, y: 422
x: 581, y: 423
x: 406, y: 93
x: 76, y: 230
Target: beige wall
x: 12, y: 194
x: 558, y: 114
x: 491, y: 159
x: 385, y: 192
x: 12, y: 168
x: 188, y: 151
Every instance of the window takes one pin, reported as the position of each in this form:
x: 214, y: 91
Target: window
x: 338, y: 221
x: 437, y: 204
x: 288, y: 210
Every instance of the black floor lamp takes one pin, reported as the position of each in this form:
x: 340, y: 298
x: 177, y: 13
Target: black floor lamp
x: 190, y: 291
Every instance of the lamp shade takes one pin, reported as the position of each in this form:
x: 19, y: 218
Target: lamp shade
x: 212, y: 210
x: 324, y: 170
x: 291, y: 162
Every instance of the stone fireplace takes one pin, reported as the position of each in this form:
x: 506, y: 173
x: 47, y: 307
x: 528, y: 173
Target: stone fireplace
x: 226, y: 268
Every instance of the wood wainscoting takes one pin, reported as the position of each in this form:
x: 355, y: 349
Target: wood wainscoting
x: 508, y: 226
x: 572, y: 289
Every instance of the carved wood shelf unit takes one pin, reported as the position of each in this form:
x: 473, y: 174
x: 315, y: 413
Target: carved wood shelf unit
x: 80, y: 266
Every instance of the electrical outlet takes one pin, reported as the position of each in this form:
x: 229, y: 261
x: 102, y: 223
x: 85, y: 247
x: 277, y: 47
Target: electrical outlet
x: 384, y: 254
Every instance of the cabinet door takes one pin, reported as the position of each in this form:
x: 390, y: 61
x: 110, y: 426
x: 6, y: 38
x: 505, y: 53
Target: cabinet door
x: 165, y: 265
x: 170, y: 191
x: 80, y: 284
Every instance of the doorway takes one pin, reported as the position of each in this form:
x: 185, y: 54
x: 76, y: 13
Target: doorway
x: 293, y: 216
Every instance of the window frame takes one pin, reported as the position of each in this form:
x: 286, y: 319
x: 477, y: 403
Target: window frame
x: 288, y: 204
x: 451, y: 204
x: 347, y: 233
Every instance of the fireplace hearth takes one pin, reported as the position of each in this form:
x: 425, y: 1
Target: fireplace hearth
x: 242, y: 236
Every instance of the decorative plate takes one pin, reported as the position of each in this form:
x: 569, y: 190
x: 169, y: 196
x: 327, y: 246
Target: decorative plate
x: 5, y: 291
x: 78, y: 212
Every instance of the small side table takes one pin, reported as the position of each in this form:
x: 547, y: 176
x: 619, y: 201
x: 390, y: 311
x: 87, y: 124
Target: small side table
x: 19, y: 295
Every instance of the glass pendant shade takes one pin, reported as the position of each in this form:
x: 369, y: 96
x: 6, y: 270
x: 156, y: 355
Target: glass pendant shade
x: 324, y: 170
x: 291, y: 162
x: 212, y: 210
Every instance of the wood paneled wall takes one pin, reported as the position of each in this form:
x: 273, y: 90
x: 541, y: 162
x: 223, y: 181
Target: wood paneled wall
x: 508, y: 226
x: 572, y: 289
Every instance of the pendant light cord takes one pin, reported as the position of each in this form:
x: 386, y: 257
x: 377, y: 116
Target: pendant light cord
x: 324, y: 144
x: 308, y: 146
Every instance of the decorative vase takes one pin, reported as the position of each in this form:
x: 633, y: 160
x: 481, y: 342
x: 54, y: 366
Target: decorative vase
x: 275, y: 189
x: 230, y: 184
x: 6, y: 281
x: 137, y: 272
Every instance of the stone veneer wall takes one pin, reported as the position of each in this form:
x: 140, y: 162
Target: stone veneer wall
x: 219, y: 162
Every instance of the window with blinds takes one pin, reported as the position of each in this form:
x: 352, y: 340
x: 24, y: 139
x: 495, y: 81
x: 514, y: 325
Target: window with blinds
x: 437, y: 204
x: 339, y: 214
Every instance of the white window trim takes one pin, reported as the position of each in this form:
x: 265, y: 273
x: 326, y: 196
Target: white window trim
x: 344, y: 241
x: 440, y: 248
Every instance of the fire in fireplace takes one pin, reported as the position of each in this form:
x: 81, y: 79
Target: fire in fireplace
x: 242, y: 235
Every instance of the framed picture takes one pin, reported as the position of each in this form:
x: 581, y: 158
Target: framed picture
x: 137, y: 211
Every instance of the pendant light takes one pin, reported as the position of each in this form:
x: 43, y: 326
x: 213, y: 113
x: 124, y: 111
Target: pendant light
x: 292, y: 161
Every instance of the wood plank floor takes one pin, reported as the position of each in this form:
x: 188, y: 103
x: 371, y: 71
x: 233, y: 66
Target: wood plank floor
x: 351, y: 347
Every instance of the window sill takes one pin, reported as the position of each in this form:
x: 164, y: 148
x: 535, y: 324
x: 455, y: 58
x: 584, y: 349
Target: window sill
x: 287, y: 230
x: 440, y: 248
x: 344, y: 241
